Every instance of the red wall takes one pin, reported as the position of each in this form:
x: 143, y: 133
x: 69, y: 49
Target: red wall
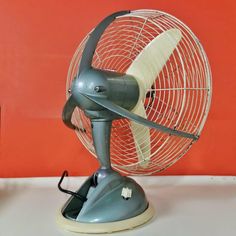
x: 37, y: 41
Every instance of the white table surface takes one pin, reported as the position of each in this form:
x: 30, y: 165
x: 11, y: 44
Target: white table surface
x: 185, y: 205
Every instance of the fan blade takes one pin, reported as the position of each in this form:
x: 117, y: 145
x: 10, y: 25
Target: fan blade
x: 127, y: 114
x: 141, y: 136
x: 156, y: 53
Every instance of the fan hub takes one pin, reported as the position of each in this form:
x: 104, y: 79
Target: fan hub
x: 121, y: 89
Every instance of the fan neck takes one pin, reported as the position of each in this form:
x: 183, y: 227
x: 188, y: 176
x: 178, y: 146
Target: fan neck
x: 101, y: 130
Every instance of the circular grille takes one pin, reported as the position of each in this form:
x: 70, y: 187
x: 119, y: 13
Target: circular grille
x: 179, y: 98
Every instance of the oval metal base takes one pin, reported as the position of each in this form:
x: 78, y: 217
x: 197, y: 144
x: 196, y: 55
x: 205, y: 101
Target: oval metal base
x: 94, y: 228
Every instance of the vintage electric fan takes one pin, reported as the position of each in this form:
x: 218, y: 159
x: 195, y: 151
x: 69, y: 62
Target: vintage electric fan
x: 139, y: 91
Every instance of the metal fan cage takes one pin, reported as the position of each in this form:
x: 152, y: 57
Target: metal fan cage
x: 179, y: 99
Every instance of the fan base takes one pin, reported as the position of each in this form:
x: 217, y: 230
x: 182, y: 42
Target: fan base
x: 110, y: 227
x: 113, y: 203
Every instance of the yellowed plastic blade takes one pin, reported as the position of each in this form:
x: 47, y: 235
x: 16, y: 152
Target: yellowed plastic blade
x: 145, y: 69
x: 150, y: 61
x: 141, y: 136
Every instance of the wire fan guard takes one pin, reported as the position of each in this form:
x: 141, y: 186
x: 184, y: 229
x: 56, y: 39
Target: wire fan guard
x: 179, y: 99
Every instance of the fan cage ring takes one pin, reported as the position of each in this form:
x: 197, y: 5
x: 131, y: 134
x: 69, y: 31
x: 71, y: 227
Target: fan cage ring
x: 180, y: 98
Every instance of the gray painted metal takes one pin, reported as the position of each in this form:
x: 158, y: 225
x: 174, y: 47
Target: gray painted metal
x: 67, y: 112
x: 86, y: 61
x: 92, y: 42
x: 105, y: 202
x: 101, y: 131
x: 125, y: 113
x: 105, y: 96
x: 103, y: 190
x: 119, y: 88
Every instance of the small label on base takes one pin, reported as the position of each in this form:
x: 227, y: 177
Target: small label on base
x: 126, y: 192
